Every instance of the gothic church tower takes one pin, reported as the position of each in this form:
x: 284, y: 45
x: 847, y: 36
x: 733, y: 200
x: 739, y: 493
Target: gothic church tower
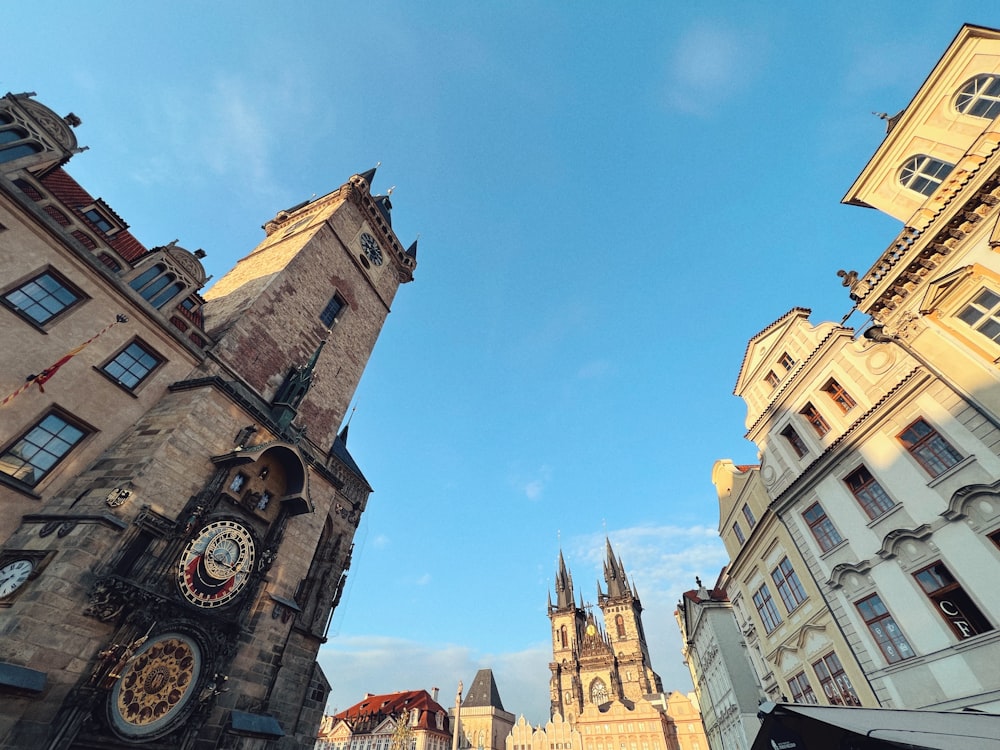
x: 594, y: 662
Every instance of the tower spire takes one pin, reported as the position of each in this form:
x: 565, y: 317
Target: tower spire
x: 564, y: 585
x: 614, y: 574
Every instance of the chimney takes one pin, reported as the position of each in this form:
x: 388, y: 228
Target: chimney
x: 434, y: 694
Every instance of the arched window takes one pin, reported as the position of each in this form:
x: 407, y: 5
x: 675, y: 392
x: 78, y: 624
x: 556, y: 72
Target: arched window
x: 14, y: 141
x: 598, y: 692
x: 620, y: 625
x: 562, y: 636
x: 923, y: 173
x: 980, y: 97
x: 156, y: 285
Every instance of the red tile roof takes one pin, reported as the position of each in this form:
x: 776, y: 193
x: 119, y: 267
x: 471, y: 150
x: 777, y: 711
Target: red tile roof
x: 69, y: 192
x: 394, y: 704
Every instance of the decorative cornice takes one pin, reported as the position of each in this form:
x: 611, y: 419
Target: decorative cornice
x: 894, y: 538
x: 913, y: 255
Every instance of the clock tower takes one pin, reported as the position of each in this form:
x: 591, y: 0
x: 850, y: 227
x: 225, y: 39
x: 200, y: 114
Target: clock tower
x: 180, y: 502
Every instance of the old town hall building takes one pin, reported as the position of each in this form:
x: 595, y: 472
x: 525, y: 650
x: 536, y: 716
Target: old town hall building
x: 179, y: 501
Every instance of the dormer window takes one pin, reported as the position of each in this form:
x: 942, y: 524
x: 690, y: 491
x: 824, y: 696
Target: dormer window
x: 14, y: 141
x: 980, y: 97
x: 157, y: 285
x: 102, y: 218
x: 923, y: 173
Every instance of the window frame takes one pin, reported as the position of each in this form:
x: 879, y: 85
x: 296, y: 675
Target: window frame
x: 892, y: 636
x: 786, y: 361
x: 925, y: 454
x: 764, y: 603
x: 54, y: 317
x: 790, y: 588
x: 772, y: 379
x: 8, y: 449
x: 964, y: 618
x: 792, y: 437
x: 158, y: 361
x: 801, y: 689
x: 829, y: 530
x: 738, y: 531
x: 922, y: 173
x: 749, y: 516
x: 836, y: 685
x: 324, y: 313
x: 976, y: 94
x: 985, y: 317
x: 815, y: 418
x: 863, y: 493
x: 839, y: 395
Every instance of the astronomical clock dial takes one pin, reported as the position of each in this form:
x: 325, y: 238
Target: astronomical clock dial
x: 13, y: 575
x: 371, y: 248
x: 216, y: 565
x: 156, y: 683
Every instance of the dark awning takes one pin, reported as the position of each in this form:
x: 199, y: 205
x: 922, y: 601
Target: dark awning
x: 795, y: 726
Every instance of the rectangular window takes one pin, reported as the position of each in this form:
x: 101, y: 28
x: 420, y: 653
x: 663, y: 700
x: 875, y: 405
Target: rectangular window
x: 35, y: 454
x: 766, y: 608
x: 839, y: 396
x: 951, y: 601
x: 786, y: 361
x: 42, y: 298
x: 789, y: 586
x: 822, y: 527
x: 983, y: 314
x: 837, y: 687
x: 868, y: 492
x: 795, y: 441
x: 748, y: 514
x: 931, y: 450
x: 883, y: 627
x: 813, y: 417
x: 332, y: 310
x: 96, y: 218
x: 801, y: 690
x: 739, y: 532
x: 132, y: 365
x: 771, y: 379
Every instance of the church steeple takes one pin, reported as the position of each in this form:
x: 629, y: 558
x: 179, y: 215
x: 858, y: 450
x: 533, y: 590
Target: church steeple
x: 564, y: 586
x: 614, y: 575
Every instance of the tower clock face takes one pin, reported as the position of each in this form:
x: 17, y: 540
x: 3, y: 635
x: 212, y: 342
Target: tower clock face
x: 13, y: 575
x: 371, y: 248
x: 156, y: 683
x: 216, y: 565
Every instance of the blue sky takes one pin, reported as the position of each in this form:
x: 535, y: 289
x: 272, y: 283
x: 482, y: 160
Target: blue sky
x: 611, y: 200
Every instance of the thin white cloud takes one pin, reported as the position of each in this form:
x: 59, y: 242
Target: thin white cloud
x: 711, y: 63
x: 533, y: 486
x: 424, y: 579
x: 381, y: 541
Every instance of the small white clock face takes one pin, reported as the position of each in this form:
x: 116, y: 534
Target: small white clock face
x: 13, y: 575
x: 216, y: 565
x: 371, y: 248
